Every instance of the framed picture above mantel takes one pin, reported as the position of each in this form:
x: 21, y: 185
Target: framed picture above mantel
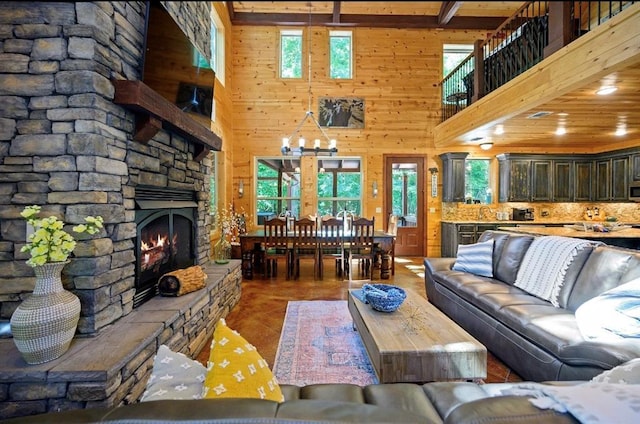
x: 341, y: 112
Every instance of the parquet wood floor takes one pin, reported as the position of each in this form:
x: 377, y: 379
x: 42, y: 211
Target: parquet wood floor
x: 259, y: 315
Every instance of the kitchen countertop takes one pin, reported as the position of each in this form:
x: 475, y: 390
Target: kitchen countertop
x: 629, y: 233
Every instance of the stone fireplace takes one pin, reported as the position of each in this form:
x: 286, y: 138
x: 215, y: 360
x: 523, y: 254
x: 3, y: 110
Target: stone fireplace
x: 67, y: 145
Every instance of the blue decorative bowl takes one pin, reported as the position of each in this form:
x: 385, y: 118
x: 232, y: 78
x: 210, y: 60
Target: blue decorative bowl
x: 384, y: 297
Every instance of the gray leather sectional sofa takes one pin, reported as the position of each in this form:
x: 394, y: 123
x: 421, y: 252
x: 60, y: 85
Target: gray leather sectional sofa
x: 537, y: 340
x: 446, y: 402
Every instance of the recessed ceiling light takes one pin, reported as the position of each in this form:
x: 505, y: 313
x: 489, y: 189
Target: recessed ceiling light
x: 561, y: 131
x: 499, y: 129
x: 606, y: 89
x: 620, y: 131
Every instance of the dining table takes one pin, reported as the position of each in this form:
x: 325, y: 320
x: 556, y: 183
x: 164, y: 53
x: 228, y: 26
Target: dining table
x: 252, y: 241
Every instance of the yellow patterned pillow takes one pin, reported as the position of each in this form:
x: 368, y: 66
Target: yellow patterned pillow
x: 236, y: 370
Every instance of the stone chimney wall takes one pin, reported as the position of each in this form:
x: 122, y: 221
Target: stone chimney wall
x: 66, y: 146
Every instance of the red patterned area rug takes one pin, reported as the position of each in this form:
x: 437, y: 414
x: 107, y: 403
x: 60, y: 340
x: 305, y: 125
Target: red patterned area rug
x: 319, y: 345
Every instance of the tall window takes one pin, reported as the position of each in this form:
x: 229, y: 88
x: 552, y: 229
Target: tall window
x: 277, y: 188
x: 339, y: 186
x: 291, y: 53
x: 340, y: 52
x: 217, y: 50
x: 404, y: 181
x: 453, y: 55
x: 476, y: 180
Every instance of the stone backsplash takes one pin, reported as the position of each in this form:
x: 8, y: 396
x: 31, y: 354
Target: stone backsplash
x: 557, y: 212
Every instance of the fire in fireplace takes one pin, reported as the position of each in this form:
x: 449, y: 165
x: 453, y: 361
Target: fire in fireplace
x: 165, y: 237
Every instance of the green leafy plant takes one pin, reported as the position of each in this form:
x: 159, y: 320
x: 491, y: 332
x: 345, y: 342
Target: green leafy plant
x: 49, y: 242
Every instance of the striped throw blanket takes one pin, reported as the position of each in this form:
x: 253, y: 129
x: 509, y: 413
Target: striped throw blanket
x: 544, y: 266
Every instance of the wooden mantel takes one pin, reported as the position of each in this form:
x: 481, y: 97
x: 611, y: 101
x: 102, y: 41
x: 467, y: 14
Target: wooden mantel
x: 154, y: 112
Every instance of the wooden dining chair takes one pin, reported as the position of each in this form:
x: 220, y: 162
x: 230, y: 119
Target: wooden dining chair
x: 305, y: 245
x: 331, y: 244
x: 276, y: 247
x: 359, y: 246
x: 392, y: 229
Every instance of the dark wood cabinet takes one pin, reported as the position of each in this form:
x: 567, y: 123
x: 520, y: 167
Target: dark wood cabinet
x: 602, y: 177
x: 453, y: 172
x: 541, y: 180
x: 612, y: 179
x: 583, y: 181
x: 602, y: 180
x: 454, y: 234
x: 635, y: 167
x: 515, y: 179
x: 563, y: 188
x: 620, y: 179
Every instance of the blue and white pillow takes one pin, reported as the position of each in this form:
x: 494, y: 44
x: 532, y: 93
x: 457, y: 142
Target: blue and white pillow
x: 613, y: 314
x: 475, y: 258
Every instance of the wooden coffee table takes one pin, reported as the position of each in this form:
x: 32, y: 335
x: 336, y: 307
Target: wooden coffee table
x: 417, y: 343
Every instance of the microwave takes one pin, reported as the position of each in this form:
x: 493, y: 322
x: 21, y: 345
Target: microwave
x: 634, y: 191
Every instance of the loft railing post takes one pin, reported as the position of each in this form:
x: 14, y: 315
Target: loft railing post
x: 478, y: 74
x: 559, y: 26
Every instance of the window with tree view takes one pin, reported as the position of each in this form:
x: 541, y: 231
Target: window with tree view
x: 340, y: 54
x: 339, y: 186
x: 277, y: 188
x: 404, y: 184
x: 291, y: 53
x: 477, y: 187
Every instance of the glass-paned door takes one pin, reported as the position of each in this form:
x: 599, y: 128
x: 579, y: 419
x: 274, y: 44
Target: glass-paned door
x: 404, y: 197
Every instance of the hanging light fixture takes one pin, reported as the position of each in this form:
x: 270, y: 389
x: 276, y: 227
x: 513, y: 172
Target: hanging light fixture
x: 302, y: 149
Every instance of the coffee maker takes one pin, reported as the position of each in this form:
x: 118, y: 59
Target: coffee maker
x: 523, y: 214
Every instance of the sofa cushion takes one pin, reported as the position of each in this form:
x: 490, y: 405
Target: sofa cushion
x: 509, y: 261
x: 613, y: 314
x: 544, y: 266
x: 601, y: 272
x: 236, y: 369
x: 475, y: 258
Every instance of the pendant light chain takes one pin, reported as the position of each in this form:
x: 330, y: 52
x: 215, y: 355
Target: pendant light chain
x: 286, y: 149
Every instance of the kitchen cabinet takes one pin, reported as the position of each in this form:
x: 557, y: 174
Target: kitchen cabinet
x: 515, y: 179
x: 453, y: 172
x: 612, y: 179
x: 583, y: 181
x: 524, y: 179
x: 453, y: 234
x: 541, y: 180
x: 602, y: 177
x: 563, y: 188
x: 635, y: 167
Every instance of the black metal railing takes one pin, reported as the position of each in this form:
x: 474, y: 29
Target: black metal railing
x: 516, y: 46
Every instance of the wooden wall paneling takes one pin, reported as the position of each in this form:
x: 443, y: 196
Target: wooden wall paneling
x: 397, y: 73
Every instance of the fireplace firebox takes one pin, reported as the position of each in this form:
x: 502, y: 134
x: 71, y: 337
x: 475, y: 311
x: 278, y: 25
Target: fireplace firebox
x: 165, y: 236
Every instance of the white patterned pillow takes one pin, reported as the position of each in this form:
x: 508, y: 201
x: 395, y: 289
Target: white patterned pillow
x: 627, y: 373
x: 475, y: 258
x: 174, y: 376
x: 612, y: 314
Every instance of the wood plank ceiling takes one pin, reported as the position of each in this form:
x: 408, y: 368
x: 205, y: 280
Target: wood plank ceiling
x: 589, y: 119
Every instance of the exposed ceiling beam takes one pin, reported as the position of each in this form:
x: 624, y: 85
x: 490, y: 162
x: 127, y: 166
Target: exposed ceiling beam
x: 448, y: 10
x: 232, y: 12
x: 375, y: 21
x: 336, y: 12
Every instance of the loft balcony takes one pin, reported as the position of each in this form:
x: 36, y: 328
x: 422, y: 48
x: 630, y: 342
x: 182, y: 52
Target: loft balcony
x: 545, y: 51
